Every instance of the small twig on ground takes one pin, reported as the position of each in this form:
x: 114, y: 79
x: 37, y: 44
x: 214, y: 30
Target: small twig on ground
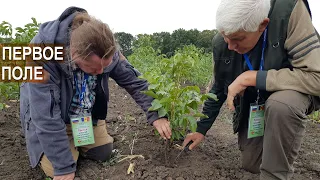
x: 129, y: 157
x: 2, y: 162
x: 132, y: 144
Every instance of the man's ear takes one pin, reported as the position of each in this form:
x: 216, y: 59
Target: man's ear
x: 264, y: 24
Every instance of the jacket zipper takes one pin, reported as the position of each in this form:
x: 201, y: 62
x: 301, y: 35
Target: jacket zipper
x: 52, y: 102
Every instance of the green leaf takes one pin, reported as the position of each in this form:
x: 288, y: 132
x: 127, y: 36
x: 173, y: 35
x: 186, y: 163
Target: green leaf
x: 173, y: 136
x: 193, y: 88
x: 34, y: 21
x: 193, y: 123
x: 29, y: 25
x: 212, y: 96
x: 153, y: 86
x: 162, y: 92
x: 201, y: 115
x: 20, y: 30
x: 191, y: 119
x: 178, y: 135
x: 181, y: 120
x: 182, y: 133
x: 155, y: 105
x: 174, y: 123
x: 162, y: 112
x: 186, y: 109
x: 193, y: 126
x: 2, y: 105
x: 165, y: 100
x: 150, y: 93
x: 193, y: 105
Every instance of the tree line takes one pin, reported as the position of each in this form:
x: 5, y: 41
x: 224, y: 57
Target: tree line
x: 167, y: 43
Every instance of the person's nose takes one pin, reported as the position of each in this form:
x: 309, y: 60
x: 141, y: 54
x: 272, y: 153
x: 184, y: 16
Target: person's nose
x: 231, y: 45
x: 100, y: 71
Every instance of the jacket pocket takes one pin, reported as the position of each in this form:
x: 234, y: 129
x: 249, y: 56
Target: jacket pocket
x: 52, y: 103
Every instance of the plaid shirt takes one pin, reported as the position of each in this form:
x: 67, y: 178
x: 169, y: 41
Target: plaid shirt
x: 89, y: 95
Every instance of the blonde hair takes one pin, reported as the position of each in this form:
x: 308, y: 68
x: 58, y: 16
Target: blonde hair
x: 90, y: 35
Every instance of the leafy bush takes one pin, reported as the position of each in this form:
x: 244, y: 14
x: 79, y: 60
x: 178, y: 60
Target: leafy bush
x: 202, y: 69
x: 147, y: 59
x: 173, y: 99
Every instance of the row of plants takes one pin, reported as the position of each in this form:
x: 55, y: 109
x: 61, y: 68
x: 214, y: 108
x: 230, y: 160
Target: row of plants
x: 8, y: 34
x: 147, y: 59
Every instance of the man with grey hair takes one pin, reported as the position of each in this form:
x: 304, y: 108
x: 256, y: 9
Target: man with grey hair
x: 267, y: 68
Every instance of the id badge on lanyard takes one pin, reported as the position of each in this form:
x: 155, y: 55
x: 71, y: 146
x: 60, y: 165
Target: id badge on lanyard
x: 81, y: 124
x: 256, y: 120
x: 256, y: 115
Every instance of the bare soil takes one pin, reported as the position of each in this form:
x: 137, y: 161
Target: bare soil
x: 217, y: 158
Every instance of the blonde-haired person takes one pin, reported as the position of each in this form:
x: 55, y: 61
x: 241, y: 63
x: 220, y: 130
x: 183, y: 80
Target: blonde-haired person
x: 267, y: 69
x: 77, y: 89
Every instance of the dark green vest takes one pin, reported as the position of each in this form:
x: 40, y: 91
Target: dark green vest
x: 229, y: 64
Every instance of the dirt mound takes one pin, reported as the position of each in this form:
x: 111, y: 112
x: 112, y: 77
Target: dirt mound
x: 217, y: 158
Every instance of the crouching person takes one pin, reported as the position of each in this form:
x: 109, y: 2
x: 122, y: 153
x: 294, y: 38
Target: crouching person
x: 64, y: 117
x: 267, y: 70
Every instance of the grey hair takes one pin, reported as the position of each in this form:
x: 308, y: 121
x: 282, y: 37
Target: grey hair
x: 237, y: 15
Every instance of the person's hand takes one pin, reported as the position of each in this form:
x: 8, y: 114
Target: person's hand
x: 163, y: 127
x: 239, y: 85
x: 196, y: 137
x: 65, y: 177
x: 233, y: 90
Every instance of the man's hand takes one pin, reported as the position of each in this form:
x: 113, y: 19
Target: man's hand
x: 238, y: 86
x: 65, y: 177
x: 196, y: 137
x: 163, y: 127
x: 235, y: 88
